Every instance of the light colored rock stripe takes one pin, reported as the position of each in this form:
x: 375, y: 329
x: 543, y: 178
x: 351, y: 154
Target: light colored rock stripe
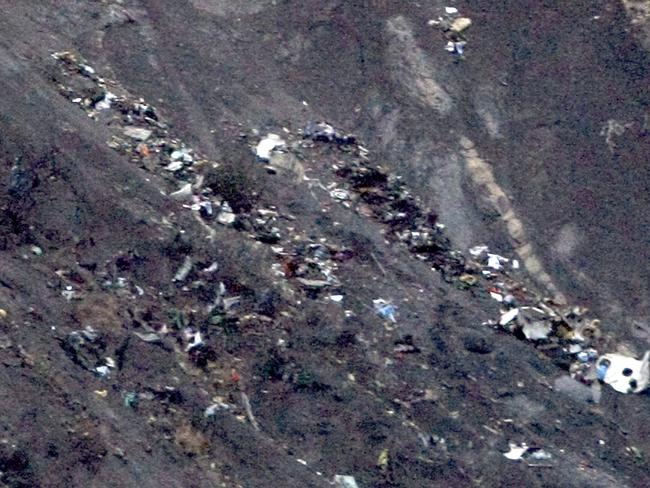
x: 483, y: 178
x: 639, y: 13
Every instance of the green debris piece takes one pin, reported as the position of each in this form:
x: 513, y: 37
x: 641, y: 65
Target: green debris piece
x: 228, y: 324
x: 177, y: 319
x: 131, y: 399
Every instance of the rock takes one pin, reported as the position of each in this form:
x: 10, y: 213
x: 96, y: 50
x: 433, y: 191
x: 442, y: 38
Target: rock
x: 137, y: 133
x: 413, y: 68
x: 313, y: 283
x: 288, y: 163
x: 477, y: 344
x: 573, y: 389
x: 191, y: 441
x: 523, y: 409
x: 21, y: 180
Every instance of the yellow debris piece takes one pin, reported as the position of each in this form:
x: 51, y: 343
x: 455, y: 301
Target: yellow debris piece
x: 382, y: 460
x: 460, y: 24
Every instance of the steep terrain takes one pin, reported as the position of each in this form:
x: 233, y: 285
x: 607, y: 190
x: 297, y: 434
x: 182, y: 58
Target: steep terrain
x: 179, y: 312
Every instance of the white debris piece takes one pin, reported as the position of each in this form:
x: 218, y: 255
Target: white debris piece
x: 523, y: 451
x: 508, y: 316
x: 575, y: 348
x: 277, y: 270
x: 451, y: 10
x: 69, y: 293
x: 183, y: 193
x: 226, y: 215
x: 102, y: 371
x: 540, y: 455
x: 249, y: 411
x: 105, y: 103
x: 476, y: 251
x: 184, y: 270
x: 516, y: 451
x: 181, y: 155
x: 214, y: 408
x: 312, y: 283
x: 212, y: 268
x: 537, y: 331
x: 231, y: 302
x: 495, y: 261
x: 267, y: 145
x: 497, y: 296
x: 623, y: 373
x: 87, y: 70
x: 148, y: 337
x: 596, y: 392
x: 174, y: 166
x: 345, y: 481
x: 211, y: 410
x: 340, y: 194
x: 194, y: 339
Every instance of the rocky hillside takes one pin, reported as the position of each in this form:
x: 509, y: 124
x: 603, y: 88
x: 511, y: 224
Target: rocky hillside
x: 275, y: 243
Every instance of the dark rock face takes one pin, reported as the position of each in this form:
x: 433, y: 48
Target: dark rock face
x: 179, y: 313
x: 478, y: 344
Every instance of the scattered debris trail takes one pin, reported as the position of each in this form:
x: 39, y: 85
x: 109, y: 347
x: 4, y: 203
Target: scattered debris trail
x: 368, y: 190
x: 481, y: 173
x: 308, y: 267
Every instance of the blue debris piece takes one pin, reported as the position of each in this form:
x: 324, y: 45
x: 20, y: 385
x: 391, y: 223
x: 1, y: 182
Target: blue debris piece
x: 601, y: 370
x: 385, y: 309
